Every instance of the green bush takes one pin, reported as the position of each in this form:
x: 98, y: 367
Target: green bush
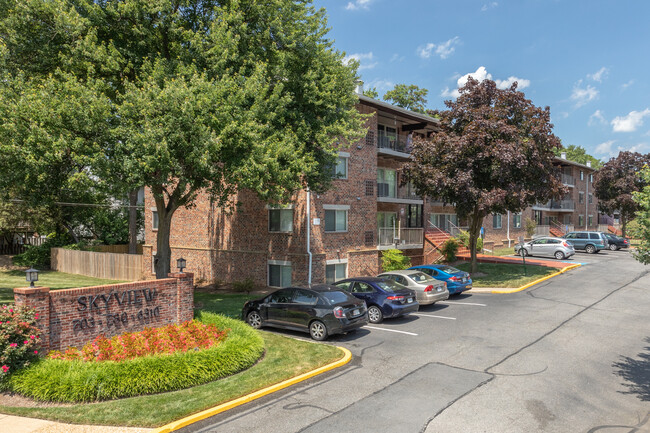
x: 77, y: 381
x: 246, y: 285
x: 19, y: 339
x: 530, y: 226
x: 394, y: 260
x: 463, y: 238
x: 449, y: 249
x: 38, y: 256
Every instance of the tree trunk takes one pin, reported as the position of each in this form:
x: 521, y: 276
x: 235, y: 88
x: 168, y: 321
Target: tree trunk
x: 475, y: 222
x: 133, y: 222
x: 623, y: 224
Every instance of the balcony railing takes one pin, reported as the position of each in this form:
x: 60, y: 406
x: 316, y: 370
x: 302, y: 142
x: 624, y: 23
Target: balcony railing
x: 557, y: 205
x: 396, y: 142
x: 567, y: 179
x: 401, y: 238
x: 401, y: 193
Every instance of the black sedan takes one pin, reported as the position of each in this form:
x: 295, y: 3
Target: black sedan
x: 616, y: 242
x: 384, y: 298
x: 321, y: 310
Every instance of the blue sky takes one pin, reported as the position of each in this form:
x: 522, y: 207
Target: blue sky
x: 589, y: 61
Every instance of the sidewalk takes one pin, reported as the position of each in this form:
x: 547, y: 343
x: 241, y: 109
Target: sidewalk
x: 550, y: 263
x: 17, y: 424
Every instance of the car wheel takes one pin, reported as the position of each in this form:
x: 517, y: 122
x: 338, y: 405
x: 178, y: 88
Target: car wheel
x: 590, y: 249
x: 254, y: 319
x: 559, y: 255
x: 374, y: 314
x: 523, y: 252
x: 613, y: 247
x: 318, y: 330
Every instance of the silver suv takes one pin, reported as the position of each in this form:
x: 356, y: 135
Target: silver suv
x: 591, y: 242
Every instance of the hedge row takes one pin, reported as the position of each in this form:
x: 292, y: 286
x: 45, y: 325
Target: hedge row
x: 77, y: 381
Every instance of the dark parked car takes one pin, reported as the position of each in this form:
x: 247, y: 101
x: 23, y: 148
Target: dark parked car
x: 384, y: 298
x: 617, y: 242
x: 321, y: 310
x: 457, y: 281
x: 591, y: 242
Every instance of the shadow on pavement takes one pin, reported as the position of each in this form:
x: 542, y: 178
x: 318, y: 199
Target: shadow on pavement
x: 636, y: 373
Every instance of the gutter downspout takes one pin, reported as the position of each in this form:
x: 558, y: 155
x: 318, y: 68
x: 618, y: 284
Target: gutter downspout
x: 587, y: 202
x: 309, y: 266
x: 508, y: 230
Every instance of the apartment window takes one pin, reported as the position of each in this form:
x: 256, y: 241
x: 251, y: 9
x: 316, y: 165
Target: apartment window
x: 386, y: 137
x: 336, y: 218
x: 581, y: 220
x: 281, y: 219
x: 591, y: 198
x: 581, y: 197
x: 386, y: 220
x: 496, y: 221
x: 154, y: 220
x: 582, y: 175
x: 279, y: 273
x: 537, y: 215
x: 386, y: 182
x: 340, y: 170
x: 590, y: 220
x: 516, y: 220
x: 335, y: 270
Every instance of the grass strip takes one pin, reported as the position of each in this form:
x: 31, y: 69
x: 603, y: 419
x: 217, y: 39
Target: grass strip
x: 506, y: 275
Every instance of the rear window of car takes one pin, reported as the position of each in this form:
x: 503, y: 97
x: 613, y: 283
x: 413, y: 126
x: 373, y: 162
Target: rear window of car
x: 334, y: 297
x: 390, y: 286
x: 420, y: 277
x: 448, y: 269
x: 594, y: 236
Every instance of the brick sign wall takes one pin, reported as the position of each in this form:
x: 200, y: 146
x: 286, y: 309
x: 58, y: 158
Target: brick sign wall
x: 74, y: 317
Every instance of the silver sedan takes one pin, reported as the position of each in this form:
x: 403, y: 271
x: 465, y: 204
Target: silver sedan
x: 546, y: 246
x: 427, y: 289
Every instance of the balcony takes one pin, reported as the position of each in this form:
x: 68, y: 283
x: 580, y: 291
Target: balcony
x: 400, y: 238
x: 556, y: 205
x: 405, y: 194
x: 568, y: 180
x: 393, y: 144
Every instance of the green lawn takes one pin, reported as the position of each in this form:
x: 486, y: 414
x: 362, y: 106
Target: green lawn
x: 52, y: 279
x: 502, y: 251
x: 506, y: 275
x: 228, y: 304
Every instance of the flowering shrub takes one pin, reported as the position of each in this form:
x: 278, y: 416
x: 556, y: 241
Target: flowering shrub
x: 192, y: 335
x: 19, y: 338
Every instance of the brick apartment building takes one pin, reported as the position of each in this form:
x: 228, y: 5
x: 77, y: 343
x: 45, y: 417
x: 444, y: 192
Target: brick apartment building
x: 316, y: 237
x: 577, y: 210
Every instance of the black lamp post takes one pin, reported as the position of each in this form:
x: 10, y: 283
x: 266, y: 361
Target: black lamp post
x: 31, y: 275
x: 181, y: 263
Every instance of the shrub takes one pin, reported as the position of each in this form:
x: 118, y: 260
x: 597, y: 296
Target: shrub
x: 246, y: 285
x: 394, y: 260
x: 449, y: 249
x: 38, y: 256
x: 19, y: 339
x: 78, y: 381
x: 530, y: 226
x: 191, y: 335
x: 463, y: 238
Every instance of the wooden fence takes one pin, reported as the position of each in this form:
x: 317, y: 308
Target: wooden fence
x: 111, y: 266
x: 118, y: 249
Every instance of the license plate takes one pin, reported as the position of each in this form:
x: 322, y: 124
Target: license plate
x: 409, y: 300
x: 355, y: 312
x: 464, y: 279
x: 439, y: 289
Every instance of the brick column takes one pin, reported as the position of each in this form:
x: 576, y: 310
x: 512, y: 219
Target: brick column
x: 184, y: 296
x: 39, y: 299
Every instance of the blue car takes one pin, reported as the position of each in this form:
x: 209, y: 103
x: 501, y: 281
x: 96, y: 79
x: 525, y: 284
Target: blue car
x: 457, y: 281
x: 384, y: 298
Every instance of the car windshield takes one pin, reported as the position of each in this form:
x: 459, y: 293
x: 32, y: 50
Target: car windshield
x: 335, y: 297
x: 420, y: 277
x: 390, y: 286
x: 448, y: 269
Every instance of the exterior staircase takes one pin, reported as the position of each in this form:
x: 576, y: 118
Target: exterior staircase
x: 433, y: 240
x: 614, y: 230
x: 554, y: 231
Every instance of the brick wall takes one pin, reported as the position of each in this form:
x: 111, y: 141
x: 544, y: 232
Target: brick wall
x: 74, y: 317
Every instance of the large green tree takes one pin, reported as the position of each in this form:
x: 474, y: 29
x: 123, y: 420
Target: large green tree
x: 642, y: 199
x: 617, y: 181
x: 181, y: 96
x: 410, y: 97
x: 578, y: 154
x: 494, y: 154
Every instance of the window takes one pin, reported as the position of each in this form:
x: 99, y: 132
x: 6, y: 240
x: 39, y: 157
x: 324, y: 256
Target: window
x: 516, y: 220
x: 386, y: 182
x: 335, y: 270
x: 281, y: 220
x: 496, y: 221
x: 305, y: 297
x: 582, y: 235
x: 281, y: 297
x: 279, y: 273
x: 582, y: 175
x: 591, y: 199
x: 590, y: 220
x: 336, y: 218
x: 581, y: 220
x: 360, y: 287
x: 386, y: 137
x: 581, y: 197
x: 154, y: 259
x: 370, y: 188
x: 538, y: 217
x: 154, y: 220
x: 340, y: 170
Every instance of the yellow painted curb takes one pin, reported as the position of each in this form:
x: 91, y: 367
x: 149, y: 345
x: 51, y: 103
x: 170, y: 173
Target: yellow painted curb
x: 525, y: 286
x: 347, y: 356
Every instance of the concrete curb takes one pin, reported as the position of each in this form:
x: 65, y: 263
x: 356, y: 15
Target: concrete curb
x: 347, y: 356
x: 525, y: 286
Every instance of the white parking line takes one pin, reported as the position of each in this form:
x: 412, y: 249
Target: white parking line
x: 431, y: 315
x: 461, y: 303
x: 390, y: 330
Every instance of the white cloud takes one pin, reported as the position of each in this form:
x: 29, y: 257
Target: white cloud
x: 358, y: 4
x: 397, y: 58
x: 626, y: 85
x: 443, y: 50
x: 482, y: 74
x: 599, y: 74
x: 365, y: 60
x: 581, y: 96
x: 631, y: 122
x: 597, y: 118
x: 608, y: 150
x: 380, y: 85
x: 487, y: 6
x: 605, y: 148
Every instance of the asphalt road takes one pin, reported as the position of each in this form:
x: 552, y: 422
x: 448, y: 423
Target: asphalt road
x: 571, y: 354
